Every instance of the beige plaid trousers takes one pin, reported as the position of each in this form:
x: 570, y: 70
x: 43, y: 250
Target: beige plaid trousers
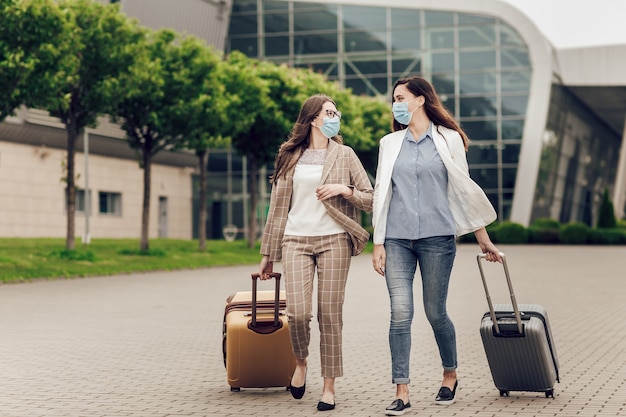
x: 330, y: 255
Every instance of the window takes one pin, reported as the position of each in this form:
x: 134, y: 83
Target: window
x: 440, y: 38
x: 276, y: 45
x: 314, y: 20
x: 514, y: 105
x: 276, y: 22
x: 362, y: 17
x: 442, y: 62
x: 325, y: 43
x: 477, y: 36
x: 408, y: 18
x: 110, y: 203
x: 364, y: 40
x: 79, y: 201
x: 479, y: 65
x: 479, y: 82
x: 483, y: 106
x: 405, y: 39
x: 482, y: 154
x: 477, y: 60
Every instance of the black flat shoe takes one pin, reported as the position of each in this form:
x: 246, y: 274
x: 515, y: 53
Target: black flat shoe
x: 445, y: 396
x: 397, y: 408
x: 322, y: 406
x: 298, y: 392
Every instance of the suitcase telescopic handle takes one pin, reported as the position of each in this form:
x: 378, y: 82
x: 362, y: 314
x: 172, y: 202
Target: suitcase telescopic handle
x: 255, y: 277
x: 492, y: 312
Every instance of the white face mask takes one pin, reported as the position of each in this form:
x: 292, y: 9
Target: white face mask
x: 330, y: 127
x: 401, y: 111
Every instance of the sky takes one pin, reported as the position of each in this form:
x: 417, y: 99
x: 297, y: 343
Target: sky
x: 576, y: 23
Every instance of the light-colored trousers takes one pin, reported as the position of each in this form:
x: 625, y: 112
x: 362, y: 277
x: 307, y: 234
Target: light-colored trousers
x: 331, y: 255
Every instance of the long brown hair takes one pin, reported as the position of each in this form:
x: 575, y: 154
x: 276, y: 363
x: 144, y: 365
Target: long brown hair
x: 435, y: 111
x: 300, y: 136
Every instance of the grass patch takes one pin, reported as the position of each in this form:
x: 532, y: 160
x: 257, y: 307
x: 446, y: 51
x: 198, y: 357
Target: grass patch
x: 139, y: 252
x: 26, y: 259
x: 74, y: 255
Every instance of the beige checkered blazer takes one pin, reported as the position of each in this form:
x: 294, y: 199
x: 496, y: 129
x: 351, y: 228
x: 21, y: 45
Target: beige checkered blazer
x: 341, y: 166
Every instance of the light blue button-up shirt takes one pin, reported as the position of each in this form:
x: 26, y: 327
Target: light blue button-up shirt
x: 419, y: 200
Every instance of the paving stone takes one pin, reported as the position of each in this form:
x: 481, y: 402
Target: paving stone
x: 150, y: 344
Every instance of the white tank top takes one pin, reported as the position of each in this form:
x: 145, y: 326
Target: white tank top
x: 307, y: 215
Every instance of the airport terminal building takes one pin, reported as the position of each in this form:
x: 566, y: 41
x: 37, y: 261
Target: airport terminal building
x: 546, y: 125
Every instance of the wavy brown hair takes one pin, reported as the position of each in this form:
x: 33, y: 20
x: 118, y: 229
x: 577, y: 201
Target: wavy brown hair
x: 436, y: 112
x: 300, y: 136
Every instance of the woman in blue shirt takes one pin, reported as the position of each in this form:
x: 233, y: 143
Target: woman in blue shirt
x: 424, y: 198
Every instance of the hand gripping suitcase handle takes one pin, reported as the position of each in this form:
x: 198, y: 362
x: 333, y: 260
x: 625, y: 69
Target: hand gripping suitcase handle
x: 492, y: 312
x: 255, y: 277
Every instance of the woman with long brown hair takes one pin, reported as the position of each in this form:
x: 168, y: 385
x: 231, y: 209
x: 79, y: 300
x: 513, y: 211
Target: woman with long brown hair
x: 424, y: 198
x: 318, y: 187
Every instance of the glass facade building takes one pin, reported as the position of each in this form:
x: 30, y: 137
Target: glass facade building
x: 547, y: 125
x: 579, y: 159
x: 479, y: 65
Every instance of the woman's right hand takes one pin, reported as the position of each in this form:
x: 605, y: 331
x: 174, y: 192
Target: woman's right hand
x: 379, y: 257
x: 265, y: 268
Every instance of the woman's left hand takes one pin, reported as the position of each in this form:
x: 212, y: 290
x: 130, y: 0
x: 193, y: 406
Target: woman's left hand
x: 326, y: 191
x: 492, y: 254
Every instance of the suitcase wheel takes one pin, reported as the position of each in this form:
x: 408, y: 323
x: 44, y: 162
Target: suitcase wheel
x: 550, y: 393
x: 504, y: 393
x: 235, y: 389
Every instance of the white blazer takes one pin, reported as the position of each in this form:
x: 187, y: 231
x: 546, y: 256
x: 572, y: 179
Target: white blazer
x: 470, y: 206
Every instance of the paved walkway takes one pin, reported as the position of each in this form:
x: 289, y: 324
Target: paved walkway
x: 149, y: 345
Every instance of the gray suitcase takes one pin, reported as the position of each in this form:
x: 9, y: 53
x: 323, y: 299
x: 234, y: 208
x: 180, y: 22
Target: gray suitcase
x: 518, y: 343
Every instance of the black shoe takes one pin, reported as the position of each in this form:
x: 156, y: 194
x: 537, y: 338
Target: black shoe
x: 322, y: 406
x: 446, y: 395
x: 397, y: 408
x: 297, y: 392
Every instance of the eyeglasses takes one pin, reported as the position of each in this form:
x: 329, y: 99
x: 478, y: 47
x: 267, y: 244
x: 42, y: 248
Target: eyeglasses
x: 332, y: 113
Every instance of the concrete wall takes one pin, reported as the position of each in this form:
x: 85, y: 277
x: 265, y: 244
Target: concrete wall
x: 32, y: 199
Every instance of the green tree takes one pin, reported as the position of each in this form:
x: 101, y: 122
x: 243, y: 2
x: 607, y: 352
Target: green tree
x: 102, y: 47
x: 163, y: 99
x: 364, y: 122
x: 606, y: 214
x: 367, y: 120
x: 226, y: 106
x: 364, y: 119
x: 275, y: 115
x: 33, y: 39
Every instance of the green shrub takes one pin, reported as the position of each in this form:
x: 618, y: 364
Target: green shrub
x: 492, y: 230
x: 471, y: 238
x: 543, y: 235
x: 468, y: 238
x: 546, y: 223
x: 607, y: 236
x: 511, y: 232
x: 606, y: 214
x: 544, y: 231
x: 621, y: 224
x: 575, y: 233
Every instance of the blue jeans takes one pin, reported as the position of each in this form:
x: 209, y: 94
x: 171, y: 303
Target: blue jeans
x: 435, y: 256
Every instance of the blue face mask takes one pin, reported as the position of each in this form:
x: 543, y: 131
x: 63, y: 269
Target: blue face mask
x: 401, y: 111
x: 330, y: 127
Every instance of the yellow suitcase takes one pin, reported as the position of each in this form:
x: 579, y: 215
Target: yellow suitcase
x: 256, y: 344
